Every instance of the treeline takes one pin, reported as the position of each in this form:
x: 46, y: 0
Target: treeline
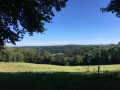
x: 97, y: 55
x: 57, y: 49
x: 93, y: 55
x: 31, y: 56
x: 60, y: 49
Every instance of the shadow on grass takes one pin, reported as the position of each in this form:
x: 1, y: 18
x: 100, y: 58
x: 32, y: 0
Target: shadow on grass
x: 59, y: 81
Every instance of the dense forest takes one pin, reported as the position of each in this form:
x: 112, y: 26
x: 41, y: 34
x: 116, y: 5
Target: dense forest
x: 59, y: 49
x: 84, y: 55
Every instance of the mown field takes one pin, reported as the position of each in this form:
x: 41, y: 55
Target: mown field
x: 28, y: 76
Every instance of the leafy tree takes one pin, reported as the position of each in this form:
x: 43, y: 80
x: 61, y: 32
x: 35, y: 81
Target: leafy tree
x: 1, y: 55
x: 30, y: 14
x: 118, y: 43
x: 19, y: 57
x: 97, y: 58
x: 59, y: 59
x: 113, y: 7
x: 88, y: 58
x: 77, y: 60
x: 9, y: 56
x: 48, y: 60
x: 104, y: 57
x: 45, y: 53
x: 40, y: 59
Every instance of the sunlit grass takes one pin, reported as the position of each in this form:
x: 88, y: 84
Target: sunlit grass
x: 27, y: 67
x: 103, y: 68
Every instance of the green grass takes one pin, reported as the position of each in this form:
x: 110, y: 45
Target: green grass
x: 28, y: 76
x: 23, y: 67
x: 30, y: 67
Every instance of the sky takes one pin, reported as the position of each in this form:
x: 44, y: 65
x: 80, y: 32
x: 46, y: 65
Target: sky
x: 80, y: 22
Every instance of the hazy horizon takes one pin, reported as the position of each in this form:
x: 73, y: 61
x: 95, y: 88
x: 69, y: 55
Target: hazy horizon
x: 56, y: 44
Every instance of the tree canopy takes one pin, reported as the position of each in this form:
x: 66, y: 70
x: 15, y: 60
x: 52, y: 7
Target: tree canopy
x: 30, y: 14
x: 114, y: 7
x: 118, y: 43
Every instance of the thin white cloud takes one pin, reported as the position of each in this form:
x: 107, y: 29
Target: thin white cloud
x: 81, y: 42
x: 44, y: 43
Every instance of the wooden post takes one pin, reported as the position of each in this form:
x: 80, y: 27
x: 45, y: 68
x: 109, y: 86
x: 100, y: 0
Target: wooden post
x: 98, y: 70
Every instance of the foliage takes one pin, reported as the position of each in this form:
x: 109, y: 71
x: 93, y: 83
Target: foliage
x: 113, y: 7
x: 118, y: 43
x: 61, y: 48
x: 30, y: 14
x: 92, y: 55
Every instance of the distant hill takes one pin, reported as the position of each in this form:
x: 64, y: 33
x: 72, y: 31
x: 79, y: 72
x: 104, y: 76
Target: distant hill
x: 59, y: 49
x: 53, y: 49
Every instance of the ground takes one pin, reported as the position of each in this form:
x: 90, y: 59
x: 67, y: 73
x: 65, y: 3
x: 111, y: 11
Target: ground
x: 28, y: 76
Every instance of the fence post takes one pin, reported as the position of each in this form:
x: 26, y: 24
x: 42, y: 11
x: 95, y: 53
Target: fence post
x: 98, y: 70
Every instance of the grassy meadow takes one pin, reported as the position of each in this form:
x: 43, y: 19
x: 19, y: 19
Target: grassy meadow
x: 30, y: 67
x: 29, y: 76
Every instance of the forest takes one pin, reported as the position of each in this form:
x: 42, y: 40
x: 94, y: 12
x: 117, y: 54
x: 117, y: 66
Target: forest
x: 59, y: 48
x: 83, y: 55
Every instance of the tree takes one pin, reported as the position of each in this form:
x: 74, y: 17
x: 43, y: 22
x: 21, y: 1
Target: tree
x: 45, y: 53
x: 30, y: 14
x: 77, y: 60
x: 118, y: 43
x: 88, y: 57
x: 113, y: 7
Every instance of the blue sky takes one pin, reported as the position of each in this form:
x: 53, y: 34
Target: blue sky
x: 81, y: 22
